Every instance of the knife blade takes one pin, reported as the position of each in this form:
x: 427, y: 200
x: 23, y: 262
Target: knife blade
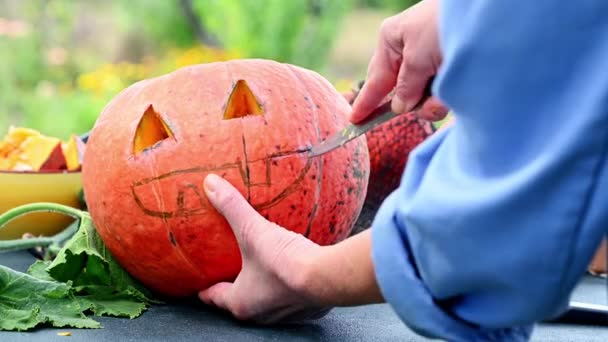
x: 377, y: 117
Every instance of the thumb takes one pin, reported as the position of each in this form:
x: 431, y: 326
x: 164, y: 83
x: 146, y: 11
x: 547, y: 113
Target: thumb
x: 432, y: 110
x: 233, y: 206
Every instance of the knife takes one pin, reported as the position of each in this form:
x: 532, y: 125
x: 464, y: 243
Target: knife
x: 377, y: 117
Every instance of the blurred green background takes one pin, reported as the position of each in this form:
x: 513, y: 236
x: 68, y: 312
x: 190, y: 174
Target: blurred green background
x: 63, y: 60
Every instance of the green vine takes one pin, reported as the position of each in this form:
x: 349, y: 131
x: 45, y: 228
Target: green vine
x: 52, y: 242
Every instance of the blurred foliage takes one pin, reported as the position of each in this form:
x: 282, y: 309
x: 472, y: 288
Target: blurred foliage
x: 297, y: 31
x: 63, y: 60
x: 109, y: 79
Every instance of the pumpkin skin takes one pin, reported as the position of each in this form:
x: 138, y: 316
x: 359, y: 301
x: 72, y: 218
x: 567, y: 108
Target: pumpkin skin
x: 150, y: 208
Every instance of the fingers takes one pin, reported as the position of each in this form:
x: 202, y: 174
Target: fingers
x: 432, y: 110
x: 233, y: 206
x: 412, y: 81
x: 220, y: 296
x: 291, y: 315
x: 217, y: 295
x: 376, y: 87
x: 381, y: 74
x: 406, y: 58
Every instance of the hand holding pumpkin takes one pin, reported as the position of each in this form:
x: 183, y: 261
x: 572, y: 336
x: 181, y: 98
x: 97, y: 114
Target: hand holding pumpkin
x: 285, y: 276
x: 271, y: 286
x: 406, y: 58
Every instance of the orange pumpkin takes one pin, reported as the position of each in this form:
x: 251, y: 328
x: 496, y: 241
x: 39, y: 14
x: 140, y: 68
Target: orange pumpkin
x: 249, y: 121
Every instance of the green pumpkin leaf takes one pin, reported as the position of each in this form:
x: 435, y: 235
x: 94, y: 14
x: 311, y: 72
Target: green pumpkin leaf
x: 114, y: 304
x: 86, y: 262
x: 26, y: 302
x: 38, y: 270
x: 83, y: 278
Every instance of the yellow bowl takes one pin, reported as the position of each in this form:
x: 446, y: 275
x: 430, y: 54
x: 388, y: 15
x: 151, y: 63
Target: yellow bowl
x: 18, y: 188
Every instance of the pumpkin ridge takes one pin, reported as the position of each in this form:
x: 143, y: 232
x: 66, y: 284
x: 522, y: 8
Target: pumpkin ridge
x: 169, y: 232
x: 247, y: 178
x: 315, y: 116
x: 246, y: 175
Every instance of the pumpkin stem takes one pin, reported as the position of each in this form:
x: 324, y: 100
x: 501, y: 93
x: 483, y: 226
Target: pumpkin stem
x: 151, y: 130
x: 242, y: 102
x: 27, y: 243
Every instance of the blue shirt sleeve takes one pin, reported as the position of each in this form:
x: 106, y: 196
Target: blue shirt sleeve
x: 497, y: 217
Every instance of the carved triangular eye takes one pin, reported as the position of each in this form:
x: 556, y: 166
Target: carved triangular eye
x: 242, y: 102
x: 150, y: 131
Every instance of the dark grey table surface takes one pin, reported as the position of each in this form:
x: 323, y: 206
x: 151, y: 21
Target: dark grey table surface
x: 191, y: 321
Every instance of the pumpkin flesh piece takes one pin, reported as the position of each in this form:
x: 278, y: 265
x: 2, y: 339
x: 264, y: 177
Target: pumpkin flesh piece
x: 70, y: 151
x: 36, y: 151
x: 55, y: 161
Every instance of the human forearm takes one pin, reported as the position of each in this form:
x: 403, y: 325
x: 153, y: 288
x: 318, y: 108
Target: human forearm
x: 510, y: 199
x: 343, y: 274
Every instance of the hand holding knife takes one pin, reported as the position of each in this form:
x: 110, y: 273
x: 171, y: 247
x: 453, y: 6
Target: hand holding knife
x: 377, y: 117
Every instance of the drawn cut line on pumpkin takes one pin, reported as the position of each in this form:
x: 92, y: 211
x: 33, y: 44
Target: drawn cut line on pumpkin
x: 151, y: 130
x: 242, y: 102
x: 192, y: 181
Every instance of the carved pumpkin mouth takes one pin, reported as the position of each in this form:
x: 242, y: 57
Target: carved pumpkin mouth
x: 150, y: 131
x: 242, y: 102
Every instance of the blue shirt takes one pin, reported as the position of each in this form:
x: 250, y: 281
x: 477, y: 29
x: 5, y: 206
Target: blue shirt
x: 498, y: 216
